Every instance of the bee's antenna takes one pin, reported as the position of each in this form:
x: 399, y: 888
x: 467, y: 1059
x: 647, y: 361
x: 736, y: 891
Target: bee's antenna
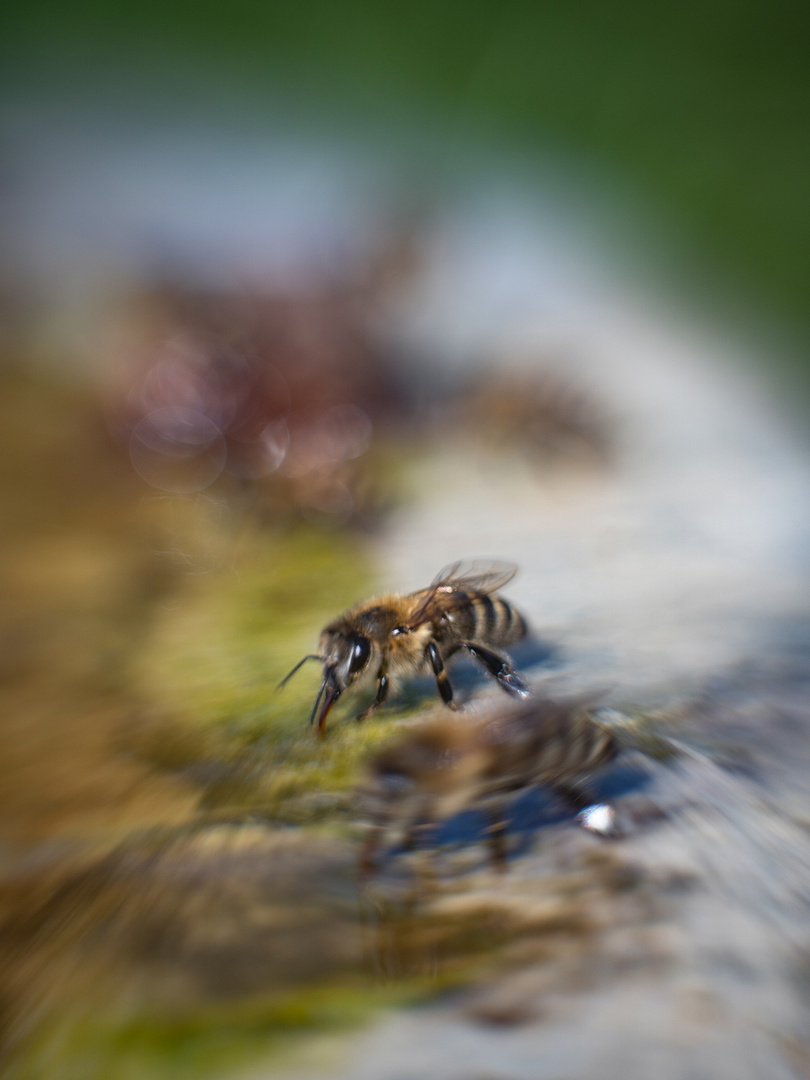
x: 289, y: 675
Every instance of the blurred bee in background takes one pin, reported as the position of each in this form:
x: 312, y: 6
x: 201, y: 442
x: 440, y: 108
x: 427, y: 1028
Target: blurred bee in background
x: 547, y: 414
x: 443, y: 766
x: 393, y: 635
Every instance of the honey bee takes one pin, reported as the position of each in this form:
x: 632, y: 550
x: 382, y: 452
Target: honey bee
x: 440, y: 767
x: 394, y: 635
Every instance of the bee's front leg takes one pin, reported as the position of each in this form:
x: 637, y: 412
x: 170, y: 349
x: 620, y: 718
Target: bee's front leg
x: 383, y: 686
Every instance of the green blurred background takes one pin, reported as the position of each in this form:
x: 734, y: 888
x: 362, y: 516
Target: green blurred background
x: 697, y: 112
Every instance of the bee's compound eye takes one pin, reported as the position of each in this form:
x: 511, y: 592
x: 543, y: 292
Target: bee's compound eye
x: 361, y: 650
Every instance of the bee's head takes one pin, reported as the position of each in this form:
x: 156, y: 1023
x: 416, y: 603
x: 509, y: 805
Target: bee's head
x: 345, y: 656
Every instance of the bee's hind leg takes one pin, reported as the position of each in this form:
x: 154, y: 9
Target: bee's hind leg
x: 442, y: 682
x: 499, y: 667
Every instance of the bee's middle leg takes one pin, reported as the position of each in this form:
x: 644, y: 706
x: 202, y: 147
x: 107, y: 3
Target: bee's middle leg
x: 442, y: 682
x: 499, y: 667
x: 383, y: 687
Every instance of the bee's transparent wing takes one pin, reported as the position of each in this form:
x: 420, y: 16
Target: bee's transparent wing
x: 451, y: 586
x: 477, y: 576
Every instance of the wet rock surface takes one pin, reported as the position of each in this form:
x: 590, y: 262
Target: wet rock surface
x: 679, y: 949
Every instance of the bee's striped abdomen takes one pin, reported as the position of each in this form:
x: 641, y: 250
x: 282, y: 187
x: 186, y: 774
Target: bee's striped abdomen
x: 462, y: 618
x: 485, y: 619
x: 577, y: 748
x: 496, y: 621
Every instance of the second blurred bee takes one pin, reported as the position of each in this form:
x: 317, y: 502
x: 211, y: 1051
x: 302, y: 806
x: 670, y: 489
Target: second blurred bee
x: 445, y: 765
